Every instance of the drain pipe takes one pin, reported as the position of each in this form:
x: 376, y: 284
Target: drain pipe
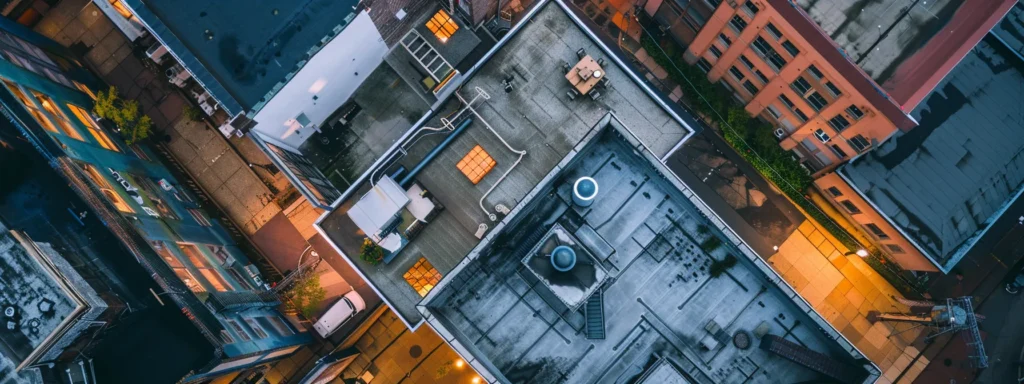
x: 521, y: 153
x: 415, y: 137
x: 433, y: 153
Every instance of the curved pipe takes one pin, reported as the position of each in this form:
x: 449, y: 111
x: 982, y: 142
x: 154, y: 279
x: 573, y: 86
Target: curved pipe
x: 433, y: 153
x: 521, y: 153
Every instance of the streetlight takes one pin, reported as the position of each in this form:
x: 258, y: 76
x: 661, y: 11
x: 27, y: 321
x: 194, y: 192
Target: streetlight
x: 860, y: 252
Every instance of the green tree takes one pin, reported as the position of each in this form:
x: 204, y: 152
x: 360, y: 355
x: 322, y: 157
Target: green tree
x: 307, y: 294
x: 133, y: 125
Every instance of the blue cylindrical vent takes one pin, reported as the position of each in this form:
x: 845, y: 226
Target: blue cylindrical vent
x: 563, y: 258
x: 584, y: 191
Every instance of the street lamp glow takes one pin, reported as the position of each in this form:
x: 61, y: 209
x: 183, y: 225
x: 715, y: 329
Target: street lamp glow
x: 476, y: 380
x: 459, y: 363
x: 862, y: 253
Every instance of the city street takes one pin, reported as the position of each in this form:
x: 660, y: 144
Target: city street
x: 46, y: 208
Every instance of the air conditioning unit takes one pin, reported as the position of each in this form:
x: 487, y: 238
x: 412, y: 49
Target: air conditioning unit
x: 779, y: 132
x: 177, y: 75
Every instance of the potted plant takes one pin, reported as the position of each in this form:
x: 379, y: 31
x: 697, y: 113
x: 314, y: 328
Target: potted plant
x: 133, y: 125
x: 371, y: 252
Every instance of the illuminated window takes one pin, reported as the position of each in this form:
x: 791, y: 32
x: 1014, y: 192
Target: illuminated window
x: 442, y: 25
x: 121, y: 8
x: 31, y: 107
x: 178, y: 268
x: 62, y: 120
x: 199, y: 261
x: 83, y: 88
x: 476, y: 164
x: 422, y: 277
x: 94, y: 128
x: 107, y: 189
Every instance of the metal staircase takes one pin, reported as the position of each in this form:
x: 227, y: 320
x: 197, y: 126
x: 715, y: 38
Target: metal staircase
x: 593, y: 312
x: 427, y: 56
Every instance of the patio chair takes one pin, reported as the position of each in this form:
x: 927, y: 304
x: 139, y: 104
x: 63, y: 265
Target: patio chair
x: 603, y: 83
x: 572, y: 94
x: 581, y: 53
x: 565, y: 67
x: 600, y: 62
x: 595, y: 95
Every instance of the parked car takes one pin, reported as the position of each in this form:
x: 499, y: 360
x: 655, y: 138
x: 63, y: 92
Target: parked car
x: 340, y: 313
x: 1014, y: 286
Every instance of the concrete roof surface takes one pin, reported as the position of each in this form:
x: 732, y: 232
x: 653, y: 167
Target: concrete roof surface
x: 660, y: 300
x: 946, y: 180
x: 25, y: 285
x: 536, y: 117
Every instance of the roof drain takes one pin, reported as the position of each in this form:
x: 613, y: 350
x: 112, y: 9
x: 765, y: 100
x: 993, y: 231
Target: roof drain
x: 480, y: 93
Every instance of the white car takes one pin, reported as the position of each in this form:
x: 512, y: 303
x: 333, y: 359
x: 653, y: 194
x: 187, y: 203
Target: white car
x: 340, y: 313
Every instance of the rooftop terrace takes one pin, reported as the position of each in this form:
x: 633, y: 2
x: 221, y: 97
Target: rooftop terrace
x: 535, y: 117
x: 945, y: 181
x: 666, y: 299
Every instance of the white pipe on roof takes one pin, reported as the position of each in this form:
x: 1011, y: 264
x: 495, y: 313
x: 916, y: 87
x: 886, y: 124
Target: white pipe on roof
x: 481, y: 93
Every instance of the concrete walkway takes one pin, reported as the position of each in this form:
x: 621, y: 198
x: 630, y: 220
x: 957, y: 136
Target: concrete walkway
x: 843, y: 289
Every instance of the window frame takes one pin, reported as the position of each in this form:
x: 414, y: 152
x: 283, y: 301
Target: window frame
x: 876, y: 231
x: 738, y: 24
x: 850, y: 207
x: 835, y: 192
x: 814, y: 99
x: 790, y: 47
x: 94, y: 128
x: 833, y: 89
x: 851, y: 112
x: 822, y: 136
x: 839, y: 123
x: 736, y: 73
x: 774, y: 31
x: 717, y: 53
x: 859, y: 143
x: 750, y: 87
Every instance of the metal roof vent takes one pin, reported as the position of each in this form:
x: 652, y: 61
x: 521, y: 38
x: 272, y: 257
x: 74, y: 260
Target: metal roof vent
x: 563, y: 258
x: 584, y: 191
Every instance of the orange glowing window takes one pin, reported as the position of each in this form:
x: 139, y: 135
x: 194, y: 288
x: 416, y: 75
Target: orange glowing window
x: 422, y: 277
x: 476, y: 164
x: 442, y: 25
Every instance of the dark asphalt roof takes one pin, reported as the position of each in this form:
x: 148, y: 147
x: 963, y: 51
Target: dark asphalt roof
x: 946, y: 180
x: 241, y: 49
x: 1011, y: 28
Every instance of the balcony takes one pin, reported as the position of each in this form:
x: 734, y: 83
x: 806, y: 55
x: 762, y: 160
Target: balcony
x: 222, y: 301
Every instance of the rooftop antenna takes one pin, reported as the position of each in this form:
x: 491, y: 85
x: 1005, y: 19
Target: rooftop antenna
x: 951, y: 316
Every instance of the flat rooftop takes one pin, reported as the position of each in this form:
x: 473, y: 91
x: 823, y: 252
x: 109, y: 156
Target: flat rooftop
x: 246, y: 48
x: 40, y: 303
x: 536, y: 117
x: 946, y: 180
x: 660, y: 301
x: 879, y: 35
